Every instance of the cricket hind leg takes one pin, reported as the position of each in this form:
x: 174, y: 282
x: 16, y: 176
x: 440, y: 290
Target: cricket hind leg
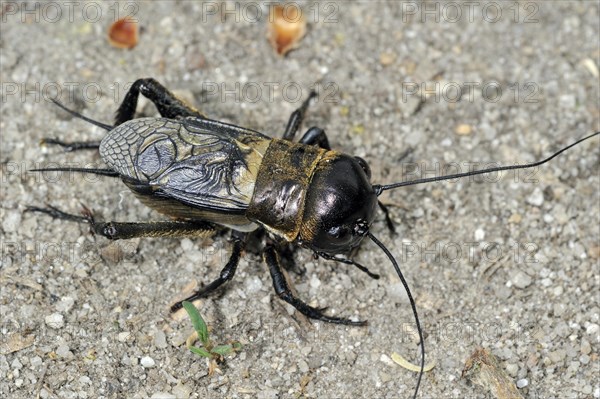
x: 126, y: 230
x: 168, y: 105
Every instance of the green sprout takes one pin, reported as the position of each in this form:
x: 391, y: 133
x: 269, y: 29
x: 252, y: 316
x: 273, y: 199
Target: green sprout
x: 208, y: 350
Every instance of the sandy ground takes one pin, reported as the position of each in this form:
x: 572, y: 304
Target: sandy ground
x: 509, y: 263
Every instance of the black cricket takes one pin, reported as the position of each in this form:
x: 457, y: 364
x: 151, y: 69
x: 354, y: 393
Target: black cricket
x: 208, y: 175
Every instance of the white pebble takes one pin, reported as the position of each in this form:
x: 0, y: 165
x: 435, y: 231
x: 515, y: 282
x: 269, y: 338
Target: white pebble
x: 65, y: 304
x: 181, y: 391
x: 536, y: 198
x: 84, y: 379
x: 12, y: 221
x: 418, y: 213
x: 55, y: 320
x: 16, y: 364
x: 123, y: 336
x: 63, y: 351
x: 303, y: 366
x: 512, y: 369
x: 479, y: 235
x: 546, y: 282
x: 160, y: 339
x: 567, y: 101
x: 314, y: 281
x: 386, y: 359
x: 592, y: 329
x: 35, y: 361
x: 522, y: 383
x: 147, y: 362
x: 396, y: 292
x: 521, y: 280
x: 254, y: 284
x: 186, y: 244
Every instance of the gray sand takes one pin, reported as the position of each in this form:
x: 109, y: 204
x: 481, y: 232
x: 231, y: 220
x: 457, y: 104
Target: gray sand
x: 506, y: 262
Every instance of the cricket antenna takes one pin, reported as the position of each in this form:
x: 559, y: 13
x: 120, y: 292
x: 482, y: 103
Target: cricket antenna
x: 381, y: 188
x: 100, y: 172
x: 412, y: 305
x: 80, y: 116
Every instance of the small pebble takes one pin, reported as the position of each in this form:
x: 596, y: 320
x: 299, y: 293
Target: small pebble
x: 567, y: 101
x: 592, y: 329
x: 253, y: 284
x: 16, y: 364
x: 586, y: 348
x: 385, y: 377
x: 63, y: 351
x: 521, y: 280
x: 12, y: 221
x: 560, y: 214
x: 303, y: 366
x: 126, y: 361
x: 65, y: 304
x: 418, y: 213
x: 147, y: 362
x: 546, y: 282
x: 463, y: 129
x: 479, y: 235
x: 314, y: 281
x: 160, y: 339
x: 557, y: 355
x: 536, y: 198
x: 182, y: 391
x: 386, y: 359
x: 515, y: 218
x: 522, y: 383
x: 84, y: 379
x: 123, y: 336
x: 559, y: 309
x: 35, y: 361
x: 186, y: 244
x: 396, y: 292
x: 387, y: 58
x: 512, y: 369
x: 55, y: 320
